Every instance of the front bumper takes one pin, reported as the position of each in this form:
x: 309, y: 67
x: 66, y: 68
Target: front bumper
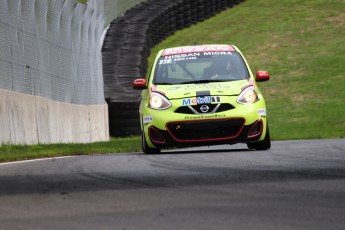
x: 206, y: 132
x: 243, y: 124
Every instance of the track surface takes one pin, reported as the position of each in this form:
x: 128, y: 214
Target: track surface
x: 295, y: 185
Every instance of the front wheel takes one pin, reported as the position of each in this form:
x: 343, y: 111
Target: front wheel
x: 146, y: 149
x: 262, y: 145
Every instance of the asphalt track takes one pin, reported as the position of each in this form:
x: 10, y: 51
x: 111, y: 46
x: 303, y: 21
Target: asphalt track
x: 295, y: 185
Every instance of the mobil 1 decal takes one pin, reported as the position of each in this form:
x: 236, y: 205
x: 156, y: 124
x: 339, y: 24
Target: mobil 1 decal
x: 201, y: 100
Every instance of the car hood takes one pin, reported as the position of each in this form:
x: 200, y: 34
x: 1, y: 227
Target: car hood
x: 204, y: 89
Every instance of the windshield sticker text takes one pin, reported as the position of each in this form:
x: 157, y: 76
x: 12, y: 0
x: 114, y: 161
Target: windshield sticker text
x: 166, y: 61
x: 217, y: 53
x: 179, y: 56
x: 193, y: 49
x: 189, y: 56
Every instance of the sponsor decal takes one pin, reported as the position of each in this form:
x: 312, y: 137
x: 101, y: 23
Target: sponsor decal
x: 147, y: 119
x: 200, y: 100
x: 262, y: 112
x: 215, y: 99
x: 198, y: 117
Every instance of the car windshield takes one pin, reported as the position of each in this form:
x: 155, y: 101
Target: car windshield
x: 200, y: 67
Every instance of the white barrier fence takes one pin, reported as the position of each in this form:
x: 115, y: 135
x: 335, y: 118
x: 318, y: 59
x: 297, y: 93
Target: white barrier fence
x: 26, y: 119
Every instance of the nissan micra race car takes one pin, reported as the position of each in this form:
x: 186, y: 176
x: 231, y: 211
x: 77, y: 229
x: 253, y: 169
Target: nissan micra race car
x: 202, y: 95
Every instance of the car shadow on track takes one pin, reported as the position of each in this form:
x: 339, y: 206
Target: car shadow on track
x: 209, y: 149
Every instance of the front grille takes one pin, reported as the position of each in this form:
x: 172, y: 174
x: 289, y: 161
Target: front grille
x: 221, y: 108
x: 206, y: 129
x: 225, y: 107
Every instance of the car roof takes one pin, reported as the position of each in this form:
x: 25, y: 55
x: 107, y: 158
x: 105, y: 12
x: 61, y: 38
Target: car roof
x: 198, y: 48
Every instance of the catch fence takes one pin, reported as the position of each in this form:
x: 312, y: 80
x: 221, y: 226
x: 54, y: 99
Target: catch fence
x: 115, y: 8
x: 52, y: 49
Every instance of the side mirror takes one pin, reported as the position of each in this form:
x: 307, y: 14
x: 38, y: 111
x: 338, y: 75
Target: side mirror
x: 262, y: 76
x: 139, y: 84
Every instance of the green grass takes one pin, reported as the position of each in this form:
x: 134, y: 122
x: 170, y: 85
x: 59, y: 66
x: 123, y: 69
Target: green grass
x: 26, y: 152
x: 302, y: 45
x: 82, y: 1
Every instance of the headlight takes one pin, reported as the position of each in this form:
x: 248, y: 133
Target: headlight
x: 248, y: 96
x: 158, y: 101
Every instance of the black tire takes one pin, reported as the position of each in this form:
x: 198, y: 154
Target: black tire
x: 262, y: 145
x: 146, y: 149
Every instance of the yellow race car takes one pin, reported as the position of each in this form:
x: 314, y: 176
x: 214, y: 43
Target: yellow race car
x: 202, y: 95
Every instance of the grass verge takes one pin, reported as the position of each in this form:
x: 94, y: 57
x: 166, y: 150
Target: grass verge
x: 27, y: 152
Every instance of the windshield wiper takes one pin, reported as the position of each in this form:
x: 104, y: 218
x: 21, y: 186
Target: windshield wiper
x: 200, y: 81
x: 163, y: 83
